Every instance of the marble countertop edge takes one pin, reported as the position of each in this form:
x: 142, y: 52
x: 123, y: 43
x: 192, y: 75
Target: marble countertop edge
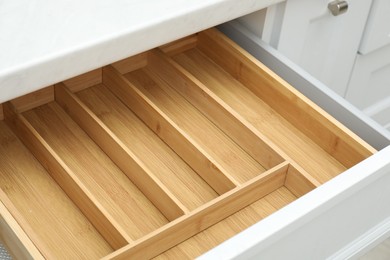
x: 105, y: 49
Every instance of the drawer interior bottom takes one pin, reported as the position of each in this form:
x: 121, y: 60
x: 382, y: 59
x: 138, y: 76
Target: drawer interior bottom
x: 165, y: 154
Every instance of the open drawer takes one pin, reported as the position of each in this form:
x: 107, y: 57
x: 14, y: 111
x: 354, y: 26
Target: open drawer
x: 165, y: 154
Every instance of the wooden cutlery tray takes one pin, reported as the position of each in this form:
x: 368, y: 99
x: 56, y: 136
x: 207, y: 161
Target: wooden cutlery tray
x: 165, y: 154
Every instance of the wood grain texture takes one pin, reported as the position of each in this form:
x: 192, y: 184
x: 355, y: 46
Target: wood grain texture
x: 132, y: 63
x: 34, y: 99
x: 169, y: 131
x: 204, y: 217
x: 119, y: 197
x: 14, y: 206
x: 297, y: 146
x: 12, y: 235
x: 167, y: 166
x: 314, y: 122
x: 42, y: 207
x: 126, y: 160
x: 164, y: 154
x: 297, y: 182
x: 215, y: 109
x: 180, y: 45
x: 128, y: 206
x: 227, y: 228
x: 66, y: 178
x: 207, y: 135
x: 84, y: 81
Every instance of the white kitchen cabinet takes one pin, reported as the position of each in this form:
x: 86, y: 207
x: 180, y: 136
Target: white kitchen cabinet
x: 369, y: 86
x: 377, y: 31
x: 349, y: 53
x: 323, y: 44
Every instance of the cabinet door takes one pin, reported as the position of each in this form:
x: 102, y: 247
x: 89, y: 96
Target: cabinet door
x: 323, y: 44
x: 369, y: 87
x: 377, y: 32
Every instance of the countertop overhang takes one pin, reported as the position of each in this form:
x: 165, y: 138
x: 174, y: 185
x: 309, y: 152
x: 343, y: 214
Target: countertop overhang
x: 43, y: 42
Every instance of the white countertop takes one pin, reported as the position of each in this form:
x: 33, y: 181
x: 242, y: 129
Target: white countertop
x: 43, y: 42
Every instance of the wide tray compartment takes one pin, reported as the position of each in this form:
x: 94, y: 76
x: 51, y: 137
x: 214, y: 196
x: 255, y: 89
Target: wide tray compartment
x: 165, y: 154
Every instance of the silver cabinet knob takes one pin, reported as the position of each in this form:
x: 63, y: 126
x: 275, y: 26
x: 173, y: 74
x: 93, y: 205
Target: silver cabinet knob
x: 338, y: 7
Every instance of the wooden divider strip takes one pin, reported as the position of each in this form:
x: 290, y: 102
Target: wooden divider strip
x: 13, y: 236
x: 180, y: 45
x: 212, y: 212
x: 168, y: 131
x: 226, y: 118
x: 84, y: 81
x: 298, y: 182
x: 1, y: 112
x: 238, y: 128
x: 331, y: 135
x: 126, y: 160
x: 34, y: 99
x: 68, y: 181
x: 132, y: 63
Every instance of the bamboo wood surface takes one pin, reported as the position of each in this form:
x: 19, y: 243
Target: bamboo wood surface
x: 169, y: 131
x: 214, y: 108
x: 66, y: 178
x: 18, y: 243
x: 297, y: 182
x: 227, y: 153
x: 33, y: 99
x: 84, y: 81
x: 163, y: 154
x: 232, y: 123
x: 227, y: 228
x: 133, y: 213
x: 123, y: 157
x: 288, y: 138
x: 205, y: 216
x: 314, y: 122
x: 180, y: 45
x: 167, y: 166
x: 44, y: 205
x: 132, y: 63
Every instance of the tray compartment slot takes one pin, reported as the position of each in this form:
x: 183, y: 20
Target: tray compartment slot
x: 297, y: 148
x: 179, y: 46
x: 12, y: 235
x: 168, y: 131
x: 230, y: 226
x: 204, y: 217
x: 236, y: 162
x: 328, y: 133
x: 119, y: 197
x: 298, y: 182
x: 226, y: 118
x: 34, y: 99
x: 220, y: 147
x: 214, y: 108
x: 128, y: 162
x: 84, y: 81
x: 132, y: 63
x: 45, y: 205
x: 184, y: 183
